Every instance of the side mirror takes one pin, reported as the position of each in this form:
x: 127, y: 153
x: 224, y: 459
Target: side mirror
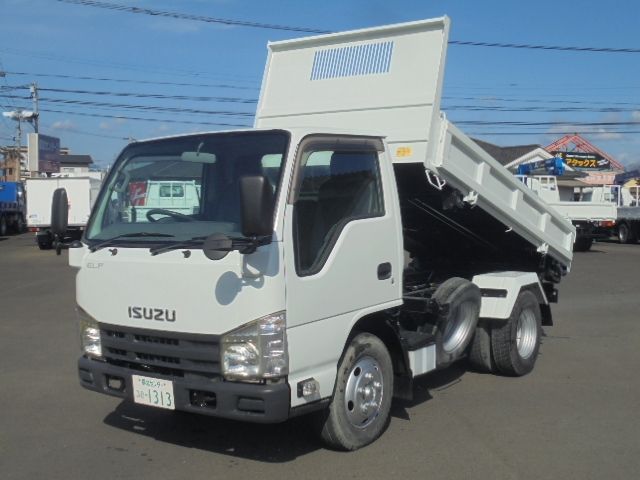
x: 256, y: 203
x: 59, y: 212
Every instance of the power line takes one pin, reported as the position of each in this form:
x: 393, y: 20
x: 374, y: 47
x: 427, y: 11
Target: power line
x: 82, y: 132
x: 566, y: 132
x: 143, y: 107
x: 156, y: 120
x: 123, y: 80
x: 154, y: 95
x: 542, y: 47
x: 122, y: 66
x: 188, y: 16
x: 468, y: 108
x: 225, y: 21
x: 562, y: 124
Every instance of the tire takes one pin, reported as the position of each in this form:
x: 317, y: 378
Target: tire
x: 480, y: 357
x: 456, y: 327
x: 45, y: 242
x: 348, y: 423
x: 516, y: 343
x: 3, y: 226
x: 626, y: 234
x: 582, y: 244
x: 19, y: 225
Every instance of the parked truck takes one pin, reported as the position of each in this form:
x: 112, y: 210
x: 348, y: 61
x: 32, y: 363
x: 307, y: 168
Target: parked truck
x: 592, y: 209
x: 12, y: 207
x: 351, y: 242
x: 627, y: 224
x: 81, y: 192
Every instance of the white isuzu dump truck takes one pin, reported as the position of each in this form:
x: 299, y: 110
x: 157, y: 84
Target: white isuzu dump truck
x: 352, y: 241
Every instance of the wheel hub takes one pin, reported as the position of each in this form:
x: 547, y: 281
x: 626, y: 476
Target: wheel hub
x: 364, y: 392
x: 526, y: 334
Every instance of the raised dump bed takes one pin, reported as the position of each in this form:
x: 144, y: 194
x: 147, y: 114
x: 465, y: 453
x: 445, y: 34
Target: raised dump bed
x: 388, y: 82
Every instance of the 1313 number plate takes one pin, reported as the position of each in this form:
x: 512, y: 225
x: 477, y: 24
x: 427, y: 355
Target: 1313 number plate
x: 153, y: 391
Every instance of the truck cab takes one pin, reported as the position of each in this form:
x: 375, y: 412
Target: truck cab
x: 12, y: 207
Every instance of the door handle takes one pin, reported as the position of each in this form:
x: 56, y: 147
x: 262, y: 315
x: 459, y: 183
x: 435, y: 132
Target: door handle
x: 384, y: 271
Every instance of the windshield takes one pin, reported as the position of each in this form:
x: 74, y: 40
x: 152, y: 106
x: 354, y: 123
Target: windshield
x: 184, y: 187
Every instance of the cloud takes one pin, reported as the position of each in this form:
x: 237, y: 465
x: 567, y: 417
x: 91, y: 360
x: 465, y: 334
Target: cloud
x: 63, y: 125
x: 162, y: 128
x: 604, y: 135
x: 112, y: 125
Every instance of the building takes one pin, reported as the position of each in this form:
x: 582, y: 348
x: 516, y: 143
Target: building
x: 9, y: 165
x: 582, y: 158
x: 75, y: 164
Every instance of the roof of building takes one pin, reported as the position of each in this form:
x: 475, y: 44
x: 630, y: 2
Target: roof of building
x: 577, y: 143
x: 505, y: 155
x: 76, y: 160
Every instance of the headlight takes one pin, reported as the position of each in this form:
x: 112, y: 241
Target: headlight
x: 257, y: 350
x: 89, y: 334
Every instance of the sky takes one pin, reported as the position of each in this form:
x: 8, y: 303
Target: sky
x: 162, y: 76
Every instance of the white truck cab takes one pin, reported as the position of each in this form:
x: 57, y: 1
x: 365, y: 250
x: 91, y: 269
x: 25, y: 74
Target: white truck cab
x: 353, y: 240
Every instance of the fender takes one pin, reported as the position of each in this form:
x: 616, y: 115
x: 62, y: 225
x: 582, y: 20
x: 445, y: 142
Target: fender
x: 501, y: 289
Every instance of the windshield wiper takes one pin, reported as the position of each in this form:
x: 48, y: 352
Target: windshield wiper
x: 109, y: 241
x: 173, y: 246
x: 216, y: 242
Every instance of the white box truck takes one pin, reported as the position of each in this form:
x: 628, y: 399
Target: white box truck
x: 352, y: 241
x: 81, y: 192
x: 592, y: 209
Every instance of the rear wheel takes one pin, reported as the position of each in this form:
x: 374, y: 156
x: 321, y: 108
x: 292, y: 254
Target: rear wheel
x: 19, y: 225
x: 582, y: 244
x: 3, y: 226
x: 516, y: 343
x: 626, y: 234
x: 359, y: 410
x: 480, y: 358
x: 457, y: 324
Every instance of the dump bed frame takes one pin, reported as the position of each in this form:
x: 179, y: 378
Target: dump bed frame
x: 389, y: 80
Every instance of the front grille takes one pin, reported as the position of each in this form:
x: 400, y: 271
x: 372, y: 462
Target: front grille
x: 165, y: 353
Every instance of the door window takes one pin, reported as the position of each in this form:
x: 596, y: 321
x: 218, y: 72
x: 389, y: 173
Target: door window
x: 335, y: 187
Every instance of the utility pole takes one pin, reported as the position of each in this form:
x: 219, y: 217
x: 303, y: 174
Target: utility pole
x: 33, y: 88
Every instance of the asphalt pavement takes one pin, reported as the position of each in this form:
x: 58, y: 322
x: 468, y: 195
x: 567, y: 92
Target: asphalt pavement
x: 576, y: 416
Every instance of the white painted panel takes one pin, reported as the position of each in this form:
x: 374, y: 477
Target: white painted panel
x: 386, y: 79
x: 422, y: 360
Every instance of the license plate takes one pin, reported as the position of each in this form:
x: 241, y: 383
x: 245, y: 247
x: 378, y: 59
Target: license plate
x: 153, y: 391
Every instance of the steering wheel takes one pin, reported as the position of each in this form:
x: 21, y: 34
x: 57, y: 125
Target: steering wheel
x: 181, y: 217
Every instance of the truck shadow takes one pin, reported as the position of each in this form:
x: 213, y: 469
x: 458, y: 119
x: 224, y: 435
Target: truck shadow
x: 276, y: 443
x: 424, y: 385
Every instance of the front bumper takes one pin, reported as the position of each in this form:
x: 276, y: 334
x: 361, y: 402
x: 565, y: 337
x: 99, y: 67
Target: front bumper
x: 268, y: 403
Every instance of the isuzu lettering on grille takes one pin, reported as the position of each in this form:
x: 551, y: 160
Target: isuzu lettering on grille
x: 148, y: 313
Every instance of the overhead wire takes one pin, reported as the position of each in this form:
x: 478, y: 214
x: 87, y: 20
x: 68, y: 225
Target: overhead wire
x: 155, y: 120
x: 135, y: 81
x: 244, y: 23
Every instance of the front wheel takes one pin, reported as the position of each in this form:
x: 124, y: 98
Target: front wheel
x: 3, y: 226
x: 359, y: 410
x: 516, y: 343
